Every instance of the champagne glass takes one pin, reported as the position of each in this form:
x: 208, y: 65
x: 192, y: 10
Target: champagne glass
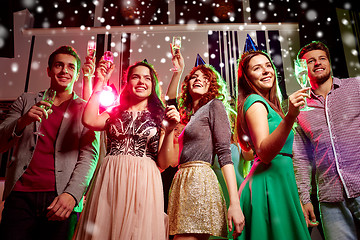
x: 301, y: 75
x: 109, y: 58
x: 91, y: 48
x: 91, y: 51
x: 176, y: 45
x: 49, y: 97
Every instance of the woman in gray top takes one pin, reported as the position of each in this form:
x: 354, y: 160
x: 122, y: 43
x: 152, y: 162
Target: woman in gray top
x: 197, y: 207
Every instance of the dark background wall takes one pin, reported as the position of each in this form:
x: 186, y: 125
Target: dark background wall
x: 317, y: 19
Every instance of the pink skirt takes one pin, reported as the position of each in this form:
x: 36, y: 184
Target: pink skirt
x: 125, y: 202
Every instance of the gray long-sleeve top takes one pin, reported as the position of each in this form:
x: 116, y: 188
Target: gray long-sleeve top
x: 207, y: 133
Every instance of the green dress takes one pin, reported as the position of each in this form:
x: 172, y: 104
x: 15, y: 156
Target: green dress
x: 268, y: 196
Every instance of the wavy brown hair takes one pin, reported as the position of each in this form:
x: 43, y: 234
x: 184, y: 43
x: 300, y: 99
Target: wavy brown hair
x: 217, y: 89
x: 245, y: 89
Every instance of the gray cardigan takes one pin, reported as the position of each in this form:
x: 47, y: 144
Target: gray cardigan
x: 76, y: 147
x: 207, y: 134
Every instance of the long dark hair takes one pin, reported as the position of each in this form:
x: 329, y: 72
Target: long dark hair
x: 155, y: 104
x: 246, y: 88
x: 217, y: 89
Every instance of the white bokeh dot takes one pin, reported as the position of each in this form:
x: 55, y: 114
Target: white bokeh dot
x: 50, y: 42
x: 14, y: 67
x: 39, y: 9
x: 261, y: 15
x: 311, y: 15
x: 35, y: 65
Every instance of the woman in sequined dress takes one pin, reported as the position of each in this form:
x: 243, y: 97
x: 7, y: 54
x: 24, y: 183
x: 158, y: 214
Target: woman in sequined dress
x: 197, y: 207
x: 126, y: 198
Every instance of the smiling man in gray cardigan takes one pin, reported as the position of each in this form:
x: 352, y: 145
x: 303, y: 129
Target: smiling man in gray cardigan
x: 49, y: 172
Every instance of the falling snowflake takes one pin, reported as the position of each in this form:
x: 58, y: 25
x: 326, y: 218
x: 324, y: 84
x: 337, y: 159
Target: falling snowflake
x: 349, y: 39
x: 60, y: 15
x: 50, y: 42
x: 28, y: 3
x: 14, y: 67
x: 319, y: 34
x: 39, y: 9
x: 311, y: 15
x: 261, y: 15
x: 35, y: 65
x: 347, y: 6
x: 344, y: 21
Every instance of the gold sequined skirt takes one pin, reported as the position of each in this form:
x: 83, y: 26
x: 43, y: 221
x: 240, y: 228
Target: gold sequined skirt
x: 196, y: 201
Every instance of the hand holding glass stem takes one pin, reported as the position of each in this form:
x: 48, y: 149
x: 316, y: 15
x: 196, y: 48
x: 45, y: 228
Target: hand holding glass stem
x: 301, y: 75
x: 49, y: 97
x: 175, y: 47
x: 89, y: 65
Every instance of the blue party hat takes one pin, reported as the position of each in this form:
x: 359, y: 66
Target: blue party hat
x: 199, y: 61
x: 145, y: 60
x: 250, y: 44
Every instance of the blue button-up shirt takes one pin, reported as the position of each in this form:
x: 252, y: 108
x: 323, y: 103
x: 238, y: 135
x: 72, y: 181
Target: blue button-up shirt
x: 328, y: 136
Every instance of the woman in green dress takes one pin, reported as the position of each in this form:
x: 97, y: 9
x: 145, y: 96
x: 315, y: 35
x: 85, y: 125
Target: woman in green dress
x: 268, y: 196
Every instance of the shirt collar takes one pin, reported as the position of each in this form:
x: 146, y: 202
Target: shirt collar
x: 335, y: 84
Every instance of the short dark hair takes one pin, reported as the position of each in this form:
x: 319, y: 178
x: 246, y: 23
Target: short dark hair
x: 65, y: 50
x: 315, y: 45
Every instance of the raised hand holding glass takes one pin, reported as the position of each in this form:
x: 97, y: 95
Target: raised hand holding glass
x: 91, y: 48
x: 176, y: 45
x: 301, y: 75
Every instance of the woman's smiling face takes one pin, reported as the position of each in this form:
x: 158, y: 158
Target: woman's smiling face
x: 140, y: 82
x: 198, y: 84
x: 261, y: 73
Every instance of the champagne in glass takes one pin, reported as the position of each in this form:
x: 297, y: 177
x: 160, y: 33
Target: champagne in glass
x: 109, y: 58
x: 49, y: 97
x: 301, y: 75
x: 91, y: 48
x: 176, y: 45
